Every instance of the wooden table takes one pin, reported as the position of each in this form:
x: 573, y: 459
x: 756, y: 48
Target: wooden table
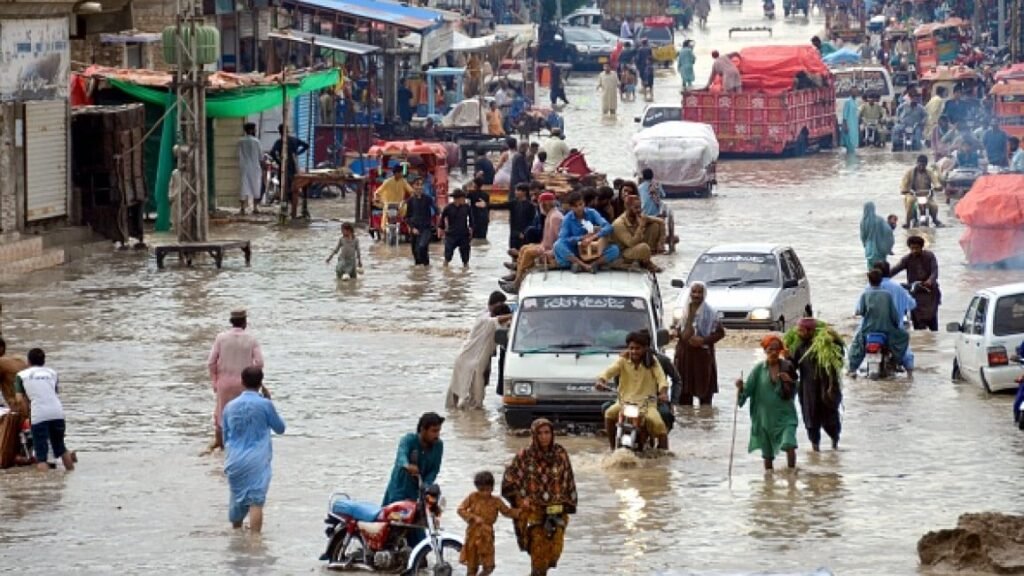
x: 187, y: 250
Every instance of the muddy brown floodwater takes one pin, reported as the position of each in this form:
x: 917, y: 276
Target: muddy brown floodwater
x: 353, y: 364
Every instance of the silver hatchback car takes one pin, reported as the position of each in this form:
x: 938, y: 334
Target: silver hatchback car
x: 752, y: 285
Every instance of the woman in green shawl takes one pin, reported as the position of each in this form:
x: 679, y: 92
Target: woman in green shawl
x: 771, y: 389
x: 685, y: 64
x: 875, y: 235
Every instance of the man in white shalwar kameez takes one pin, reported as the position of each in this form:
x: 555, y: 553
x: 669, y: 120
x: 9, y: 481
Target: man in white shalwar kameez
x: 466, y: 389
x: 249, y: 154
x: 608, y: 84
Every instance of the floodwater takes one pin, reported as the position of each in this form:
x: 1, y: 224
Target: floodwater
x: 353, y: 364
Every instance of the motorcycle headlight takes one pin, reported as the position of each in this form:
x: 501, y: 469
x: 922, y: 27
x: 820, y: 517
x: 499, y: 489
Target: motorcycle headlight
x: 522, y: 388
x: 760, y: 314
x: 631, y: 411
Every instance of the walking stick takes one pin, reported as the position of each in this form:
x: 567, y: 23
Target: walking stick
x: 732, y: 447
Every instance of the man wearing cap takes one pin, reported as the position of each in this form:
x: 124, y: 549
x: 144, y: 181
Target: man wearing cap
x: 418, y: 458
x: 234, y: 350
x: 531, y: 253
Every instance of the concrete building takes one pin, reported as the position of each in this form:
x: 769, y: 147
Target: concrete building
x: 34, y: 148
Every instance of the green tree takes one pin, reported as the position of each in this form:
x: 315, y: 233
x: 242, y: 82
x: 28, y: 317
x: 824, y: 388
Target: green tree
x: 551, y: 7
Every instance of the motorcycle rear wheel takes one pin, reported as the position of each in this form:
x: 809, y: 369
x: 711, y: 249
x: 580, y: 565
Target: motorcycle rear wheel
x: 347, y: 551
x: 426, y: 560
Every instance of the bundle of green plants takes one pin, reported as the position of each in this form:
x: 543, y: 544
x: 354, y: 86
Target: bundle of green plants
x: 826, y: 350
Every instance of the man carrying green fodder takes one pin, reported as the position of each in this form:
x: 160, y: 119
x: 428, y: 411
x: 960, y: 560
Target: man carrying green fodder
x: 818, y: 353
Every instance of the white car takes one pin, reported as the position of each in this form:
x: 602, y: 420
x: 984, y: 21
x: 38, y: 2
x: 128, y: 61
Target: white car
x: 750, y: 285
x: 988, y: 337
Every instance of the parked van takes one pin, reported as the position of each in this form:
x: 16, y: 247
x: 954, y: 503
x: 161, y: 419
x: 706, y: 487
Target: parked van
x: 566, y: 330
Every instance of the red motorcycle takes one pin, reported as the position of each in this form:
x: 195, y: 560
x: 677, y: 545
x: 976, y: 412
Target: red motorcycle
x: 400, y: 538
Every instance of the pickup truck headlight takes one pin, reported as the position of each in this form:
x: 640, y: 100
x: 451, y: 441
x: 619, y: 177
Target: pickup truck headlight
x: 583, y: 48
x: 522, y: 388
x: 761, y: 314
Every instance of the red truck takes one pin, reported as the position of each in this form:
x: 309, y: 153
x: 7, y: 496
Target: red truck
x: 769, y: 117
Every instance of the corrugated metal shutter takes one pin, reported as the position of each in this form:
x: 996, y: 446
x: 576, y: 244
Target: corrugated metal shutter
x: 302, y: 128
x: 46, y: 159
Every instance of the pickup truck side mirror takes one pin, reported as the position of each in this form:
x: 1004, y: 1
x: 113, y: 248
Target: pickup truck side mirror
x: 663, y: 337
x: 501, y: 337
x: 953, y: 327
x: 636, y: 119
x: 790, y: 283
x: 678, y: 283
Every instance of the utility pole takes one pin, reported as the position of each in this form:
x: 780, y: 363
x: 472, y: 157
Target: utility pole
x: 190, y: 85
x: 1001, y: 31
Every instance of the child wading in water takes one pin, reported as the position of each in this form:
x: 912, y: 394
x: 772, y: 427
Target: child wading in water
x: 480, y: 511
x: 350, y: 257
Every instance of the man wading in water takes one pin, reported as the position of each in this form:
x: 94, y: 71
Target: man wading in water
x: 234, y: 350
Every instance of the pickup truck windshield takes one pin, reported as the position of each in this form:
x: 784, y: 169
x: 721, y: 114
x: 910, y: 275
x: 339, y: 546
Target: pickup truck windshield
x: 731, y: 270
x: 578, y: 323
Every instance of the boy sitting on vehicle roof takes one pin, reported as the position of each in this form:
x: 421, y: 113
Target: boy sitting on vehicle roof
x: 580, y: 237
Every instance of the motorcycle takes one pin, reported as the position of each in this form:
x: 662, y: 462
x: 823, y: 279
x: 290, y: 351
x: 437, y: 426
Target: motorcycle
x: 921, y: 216
x: 904, y: 138
x: 878, y: 361
x: 631, y: 429
x: 769, y: 9
x: 271, y: 180
x: 872, y: 134
x: 366, y: 537
x: 392, y: 224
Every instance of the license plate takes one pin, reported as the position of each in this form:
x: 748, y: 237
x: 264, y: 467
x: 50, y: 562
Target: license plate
x: 554, y: 509
x: 602, y: 59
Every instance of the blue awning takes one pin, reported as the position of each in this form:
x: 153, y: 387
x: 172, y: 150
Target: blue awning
x: 409, y: 17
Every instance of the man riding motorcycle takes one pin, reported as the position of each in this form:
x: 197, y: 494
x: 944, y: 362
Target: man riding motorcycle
x: 873, y: 114
x: 878, y: 316
x: 640, y: 377
x: 920, y: 179
x: 910, y: 115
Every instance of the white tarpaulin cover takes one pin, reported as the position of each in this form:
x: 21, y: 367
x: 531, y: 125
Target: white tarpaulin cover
x: 466, y: 114
x: 677, y: 152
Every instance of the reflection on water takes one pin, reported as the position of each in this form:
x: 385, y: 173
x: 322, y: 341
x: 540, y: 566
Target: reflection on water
x: 353, y: 364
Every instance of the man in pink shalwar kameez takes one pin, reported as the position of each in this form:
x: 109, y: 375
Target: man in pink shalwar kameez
x: 233, y: 351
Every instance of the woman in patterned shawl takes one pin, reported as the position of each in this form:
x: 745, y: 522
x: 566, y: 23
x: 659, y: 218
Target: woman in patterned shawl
x: 540, y: 482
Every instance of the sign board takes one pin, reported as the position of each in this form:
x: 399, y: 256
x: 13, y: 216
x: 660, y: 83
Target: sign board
x: 34, y: 59
x: 436, y: 43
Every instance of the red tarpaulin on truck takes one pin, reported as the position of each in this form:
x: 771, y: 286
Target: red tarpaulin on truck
x: 773, y: 68
x: 993, y: 211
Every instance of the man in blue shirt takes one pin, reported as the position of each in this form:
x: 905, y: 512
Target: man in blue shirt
x: 652, y: 204
x: 419, y: 457
x: 651, y: 201
x: 582, y: 227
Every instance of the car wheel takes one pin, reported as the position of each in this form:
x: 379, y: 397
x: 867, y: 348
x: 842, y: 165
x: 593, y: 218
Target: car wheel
x: 956, y: 376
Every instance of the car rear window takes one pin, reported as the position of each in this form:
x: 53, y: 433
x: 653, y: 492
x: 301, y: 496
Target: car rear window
x: 1009, y: 318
